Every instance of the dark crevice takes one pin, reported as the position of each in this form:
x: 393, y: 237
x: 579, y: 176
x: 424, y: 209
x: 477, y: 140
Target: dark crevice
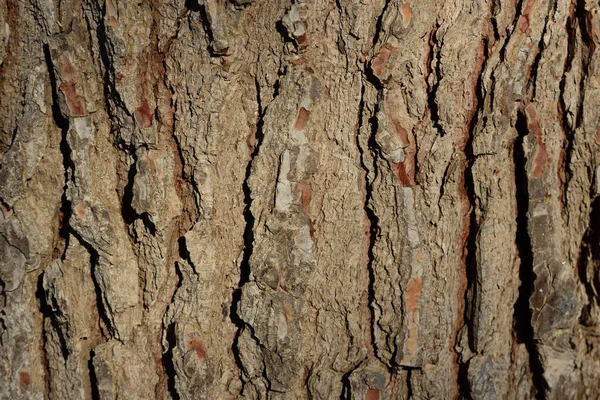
x: 536, y: 61
x: 522, y: 310
x: 245, y: 269
x: 434, y: 67
x: 128, y: 213
x: 470, y: 247
x: 518, y: 13
x: 51, y: 311
x: 2, y: 312
x: 167, y: 359
x: 567, y: 128
x: 185, y: 255
x: 409, y: 388
x: 68, y: 166
x: 368, y: 161
x: 285, y: 35
x: 589, y: 45
x: 112, y: 96
x: 374, y: 229
x: 379, y: 25
x: 93, y: 377
x: 200, y: 8
x: 169, y: 330
x: 346, y: 387
x: 103, y: 307
x: 464, y: 385
x: 495, y: 8
x: 470, y: 256
x: 589, y: 252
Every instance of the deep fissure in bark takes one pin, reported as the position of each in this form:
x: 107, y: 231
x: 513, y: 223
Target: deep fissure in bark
x: 590, y: 46
x: 374, y: 229
x: 567, y: 127
x: 44, y: 353
x: 128, y: 213
x: 52, y: 312
x: 379, y: 24
x: 470, y: 249
x: 509, y: 33
x: 245, y: 269
x: 167, y: 359
x: 111, y: 94
x: 470, y: 257
x: 434, y: 56
x: 532, y: 81
x: 589, y: 251
x: 63, y: 124
x: 93, y: 377
x: 522, y: 309
x: 107, y: 327
x: 409, y: 388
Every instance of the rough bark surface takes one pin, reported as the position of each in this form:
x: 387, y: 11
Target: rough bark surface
x: 356, y: 199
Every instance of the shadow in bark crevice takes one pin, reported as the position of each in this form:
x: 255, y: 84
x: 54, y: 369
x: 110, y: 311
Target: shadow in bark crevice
x: 522, y: 310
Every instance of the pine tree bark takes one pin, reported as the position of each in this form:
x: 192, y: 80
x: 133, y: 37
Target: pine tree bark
x: 356, y: 199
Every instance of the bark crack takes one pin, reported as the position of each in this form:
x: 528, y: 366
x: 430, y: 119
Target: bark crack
x: 522, y: 308
x: 567, y: 127
x: 245, y: 268
x: 434, y: 67
x: 589, y: 251
x: 470, y: 248
x: 588, y: 43
x: 94, y: 386
x: 63, y: 124
x: 538, y: 57
x: 374, y: 228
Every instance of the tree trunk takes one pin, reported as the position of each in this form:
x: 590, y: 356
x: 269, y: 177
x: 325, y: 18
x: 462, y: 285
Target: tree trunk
x: 356, y: 199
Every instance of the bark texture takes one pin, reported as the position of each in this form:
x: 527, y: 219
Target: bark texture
x: 287, y: 199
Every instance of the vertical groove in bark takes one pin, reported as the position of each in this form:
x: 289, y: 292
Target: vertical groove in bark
x: 63, y: 124
x: 167, y: 359
x: 523, y: 313
x: 589, y: 253
x: 536, y: 62
x: 43, y: 310
x: 568, y: 127
x: 93, y: 378
x: 245, y: 269
x: 470, y: 296
x: 589, y: 46
x: 435, y: 49
x: 372, y: 217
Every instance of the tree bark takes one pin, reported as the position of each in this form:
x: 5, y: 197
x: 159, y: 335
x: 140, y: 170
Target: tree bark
x: 288, y: 199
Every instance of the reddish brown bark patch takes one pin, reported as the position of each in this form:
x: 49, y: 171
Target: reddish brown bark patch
x: 79, y: 211
x: 406, y: 14
x: 403, y: 176
x: 373, y: 394
x: 380, y: 62
x: 24, y: 379
x: 303, y: 116
x: 413, y: 293
x: 193, y: 342
x: 401, y: 132
x: 523, y: 22
x: 75, y: 103
x: 540, y: 159
x: 305, y: 194
x: 143, y: 114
